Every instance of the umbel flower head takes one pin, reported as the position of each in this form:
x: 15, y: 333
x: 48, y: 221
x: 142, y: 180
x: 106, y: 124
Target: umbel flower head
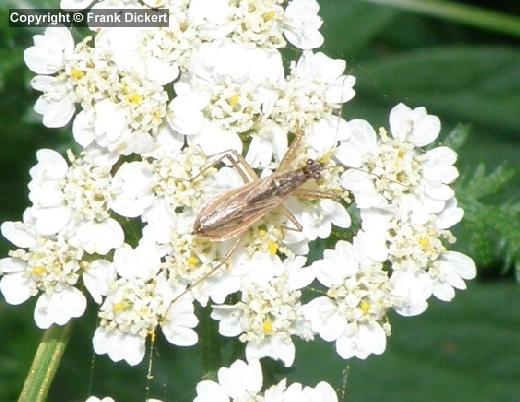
x: 243, y: 382
x: 206, y: 170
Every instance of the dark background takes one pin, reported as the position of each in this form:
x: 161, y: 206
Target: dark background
x: 467, y: 350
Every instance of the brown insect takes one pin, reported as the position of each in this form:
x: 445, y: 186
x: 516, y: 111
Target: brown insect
x: 233, y: 212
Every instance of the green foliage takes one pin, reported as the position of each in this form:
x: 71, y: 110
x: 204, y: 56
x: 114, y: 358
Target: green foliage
x: 492, y: 216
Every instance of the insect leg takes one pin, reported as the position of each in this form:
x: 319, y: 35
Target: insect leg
x: 297, y: 225
x: 224, y: 260
x: 245, y: 170
x: 291, y: 152
x: 313, y: 195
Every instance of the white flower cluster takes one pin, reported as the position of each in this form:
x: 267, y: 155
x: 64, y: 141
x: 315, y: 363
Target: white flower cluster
x: 206, y: 170
x: 243, y: 382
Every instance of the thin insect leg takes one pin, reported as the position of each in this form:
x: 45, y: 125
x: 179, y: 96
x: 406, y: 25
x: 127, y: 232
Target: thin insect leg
x: 298, y: 227
x: 248, y: 173
x: 213, y: 163
x: 245, y: 178
x: 313, y: 195
x: 245, y: 170
x: 224, y: 260
x: 377, y: 176
x: 290, y: 155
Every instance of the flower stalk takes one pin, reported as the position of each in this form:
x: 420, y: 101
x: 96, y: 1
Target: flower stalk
x: 46, y: 361
x: 210, y: 346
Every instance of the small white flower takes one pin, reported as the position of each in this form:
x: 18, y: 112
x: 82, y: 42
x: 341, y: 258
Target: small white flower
x: 75, y: 197
x: 414, y: 125
x: 316, y: 87
x: 243, y: 382
x: 317, y: 218
x: 224, y: 95
x: 393, y: 172
x: 132, y: 187
x: 96, y: 399
x: 137, y: 303
x: 323, y: 392
x: 239, y: 382
x: 48, y: 54
x: 419, y: 258
x: 302, y: 24
x: 353, y: 313
x: 98, y: 276
x: 453, y: 267
x: 49, y: 265
x: 212, y: 18
x: 269, y: 312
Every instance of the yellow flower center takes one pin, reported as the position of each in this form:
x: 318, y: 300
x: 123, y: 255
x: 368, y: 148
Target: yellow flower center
x: 272, y: 246
x: 193, y: 261
x: 268, y: 16
x: 77, y: 74
x: 234, y: 99
x: 365, y: 306
x: 424, y: 243
x: 39, y: 270
x: 267, y: 326
x: 120, y: 307
x: 135, y: 99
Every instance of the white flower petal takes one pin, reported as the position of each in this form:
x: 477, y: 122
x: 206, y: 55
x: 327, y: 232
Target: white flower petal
x: 50, y: 221
x: 51, y: 166
x: 59, y: 307
x: 100, y: 237
x: 361, y: 142
x: 97, y: 277
x: 18, y: 234
x: 414, y: 125
x: 56, y: 112
x: 119, y: 346
x: 143, y: 262
x: 17, y: 288
x: 210, y: 391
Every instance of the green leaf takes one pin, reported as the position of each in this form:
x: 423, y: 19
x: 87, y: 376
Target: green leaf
x: 460, y: 13
x: 349, y: 26
x: 456, y: 137
x: 477, y: 85
x: 491, y: 232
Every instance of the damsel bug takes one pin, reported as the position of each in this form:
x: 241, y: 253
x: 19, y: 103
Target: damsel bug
x: 233, y: 212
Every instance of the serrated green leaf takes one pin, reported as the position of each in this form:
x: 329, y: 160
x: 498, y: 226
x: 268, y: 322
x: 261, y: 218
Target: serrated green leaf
x: 457, y: 137
x: 492, y: 211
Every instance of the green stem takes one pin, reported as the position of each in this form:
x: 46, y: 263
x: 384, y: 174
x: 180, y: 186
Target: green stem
x: 211, y: 358
x: 45, y: 363
x: 461, y: 13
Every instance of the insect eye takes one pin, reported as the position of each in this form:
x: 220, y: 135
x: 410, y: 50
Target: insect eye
x: 310, y: 162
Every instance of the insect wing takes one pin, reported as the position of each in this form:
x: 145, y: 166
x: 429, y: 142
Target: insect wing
x: 235, y: 211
